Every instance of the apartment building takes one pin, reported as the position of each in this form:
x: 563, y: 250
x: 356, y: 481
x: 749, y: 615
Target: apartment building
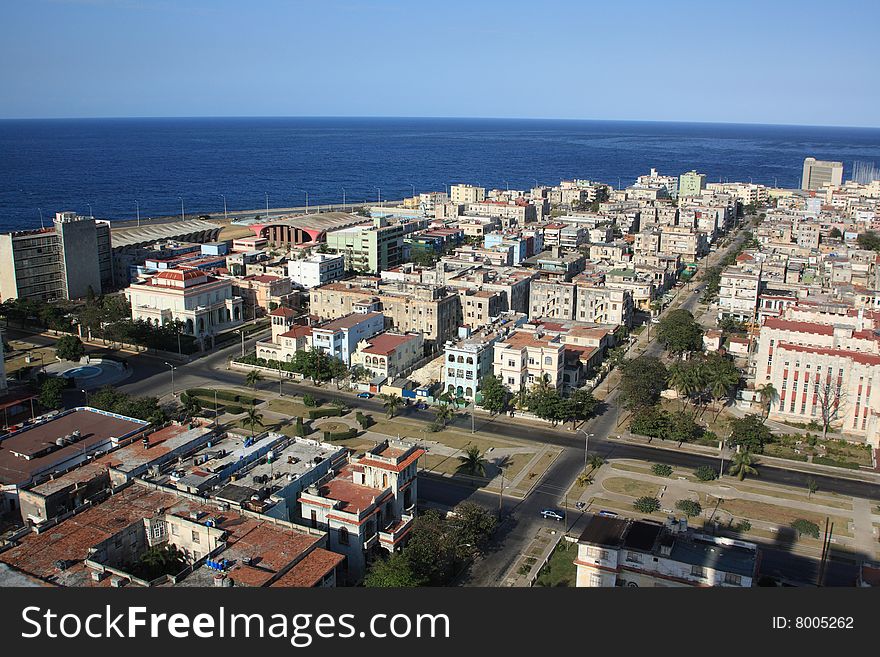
x: 389, y: 355
x: 524, y: 358
x: 683, y: 241
x: 204, y: 304
x: 339, y: 338
x: 640, y: 553
x: 368, y: 505
x: 49, y: 263
x: 691, y: 184
x: 428, y: 309
x: 818, y: 173
x: 369, y: 248
x: 465, y: 194
x: 261, y: 293
x: 316, y: 269
x: 582, y: 302
x: 739, y: 291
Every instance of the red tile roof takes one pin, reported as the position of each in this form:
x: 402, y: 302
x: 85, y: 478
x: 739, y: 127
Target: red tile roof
x: 386, y: 343
x: 311, y: 570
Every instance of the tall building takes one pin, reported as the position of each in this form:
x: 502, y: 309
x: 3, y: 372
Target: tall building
x: 369, y: 248
x: 691, y: 184
x: 61, y: 262
x: 464, y: 194
x: 821, y: 172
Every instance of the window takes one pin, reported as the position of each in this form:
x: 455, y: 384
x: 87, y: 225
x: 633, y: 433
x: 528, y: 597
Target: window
x: 733, y: 580
x: 548, y: 360
x: 343, y: 536
x: 195, y: 536
x: 697, y: 571
x: 314, y: 519
x: 634, y: 557
x: 174, y: 530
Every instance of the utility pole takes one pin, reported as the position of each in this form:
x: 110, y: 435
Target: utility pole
x: 242, y: 342
x: 473, y: 409
x: 280, y: 379
x: 501, y: 494
x: 215, y: 408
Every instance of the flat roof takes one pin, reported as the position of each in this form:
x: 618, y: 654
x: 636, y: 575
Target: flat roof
x: 159, y: 444
x: 602, y: 530
x: 33, y: 449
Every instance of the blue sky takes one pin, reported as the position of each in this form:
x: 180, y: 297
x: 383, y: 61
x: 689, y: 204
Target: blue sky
x: 741, y: 61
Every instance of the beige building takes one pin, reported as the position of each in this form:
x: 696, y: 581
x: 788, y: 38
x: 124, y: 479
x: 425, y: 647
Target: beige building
x: 389, y: 354
x: 525, y: 358
x: 428, y: 309
x: 818, y: 173
x: 464, y: 194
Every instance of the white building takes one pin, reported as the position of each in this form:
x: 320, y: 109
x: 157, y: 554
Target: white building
x: 205, y: 304
x: 316, y: 269
x: 339, y: 337
x: 638, y: 553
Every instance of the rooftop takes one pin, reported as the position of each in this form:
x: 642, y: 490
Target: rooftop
x: 34, y: 449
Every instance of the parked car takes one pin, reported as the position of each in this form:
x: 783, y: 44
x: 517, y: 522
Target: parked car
x: 553, y: 514
x: 421, y: 406
x: 365, y: 395
x: 655, y: 320
x: 607, y: 514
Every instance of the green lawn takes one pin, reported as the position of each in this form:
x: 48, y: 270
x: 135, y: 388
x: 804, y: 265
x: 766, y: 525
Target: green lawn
x: 560, y: 569
x: 631, y: 487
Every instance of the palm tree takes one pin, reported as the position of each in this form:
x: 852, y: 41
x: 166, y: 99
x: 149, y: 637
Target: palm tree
x: 720, y: 381
x: 445, y: 414
x: 472, y: 463
x: 595, y: 462
x: 769, y: 395
x: 392, y: 403
x: 742, y: 466
x: 584, y: 479
x: 191, y: 405
x: 253, y: 419
x: 253, y: 378
x: 445, y: 399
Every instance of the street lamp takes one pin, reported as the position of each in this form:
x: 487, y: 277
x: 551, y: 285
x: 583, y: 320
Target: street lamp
x: 241, y: 331
x: 225, y: 216
x: 587, y: 437
x: 83, y: 391
x: 413, y: 189
x: 172, y: 377
x: 182, y: 213
x: 379, y: 192
x: 90, y: 209
x: 137, y: 207
x: 343, y: 199
x: 215, y: 408
x: 307, y: 199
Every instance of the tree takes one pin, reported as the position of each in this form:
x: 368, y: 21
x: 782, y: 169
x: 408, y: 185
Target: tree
x: 662, y: 470
x: 581, y: 405
x: 705, y: 473
x: 392, y: 403
x: 829, y: 398
x: 769, y: 395
x: 812, y: 487
x: 721, y: 376
x: 650, y: 421
x: 393, y: 572
x: 309, y: 400
x: 689, y: 378
x: 472, y: 462
x: 690, y: 508
x: 647, y: 504
x: 358, y: 372
x: 192, y: 406
x: 595, y: 462
x: 445, y: 414
x: 641, y: 382
x: 835, y: 233
x: 749, y: 433
x: 680, y: 333
x: 546, y: 402
x: 253, y: 419
x: 50, y: 392
x: 70, y: 347
x: 253, y: 378
x: 431, y: 550
x: 869, y: 241
x: 495, y: 396
x: 802, y: 526
x: 471, y: 527
x: 681, y: 428
x: 742, y: 466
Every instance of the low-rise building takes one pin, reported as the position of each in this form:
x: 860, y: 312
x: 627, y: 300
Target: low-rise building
x: 339, y: 337
x: 639, y: 553
x: 389, y: 355
x: 525, y: 358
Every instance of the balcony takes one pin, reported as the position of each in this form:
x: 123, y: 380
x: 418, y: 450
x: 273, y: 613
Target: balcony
x: 395, y: 531
x: 370, y: 542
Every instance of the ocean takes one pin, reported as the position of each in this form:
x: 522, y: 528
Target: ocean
x: 115, y: 164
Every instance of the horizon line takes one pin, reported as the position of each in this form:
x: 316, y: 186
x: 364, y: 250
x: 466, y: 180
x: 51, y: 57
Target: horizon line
x: 461, y: 118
